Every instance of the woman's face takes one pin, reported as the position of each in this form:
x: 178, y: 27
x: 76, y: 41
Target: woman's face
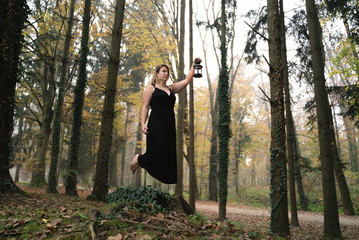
x: 163, y: 74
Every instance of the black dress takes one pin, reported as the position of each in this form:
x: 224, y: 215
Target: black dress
x: 160, y: 159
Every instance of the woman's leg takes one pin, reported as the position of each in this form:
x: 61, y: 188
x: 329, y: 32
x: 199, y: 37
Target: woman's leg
x: 134, y: 164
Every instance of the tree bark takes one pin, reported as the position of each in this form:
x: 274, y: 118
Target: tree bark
x: 224, y: 133
x: 289, y: 123
x: 331, y: 217
x: 77, y: 105
x: 181, y: 105
x: 48, y: 91
x: 138, y: 175
x: 191, y: 152
x: 279, y: 208
x: 100, y: 188
x: 298, y: 175
x: 56, y: 129
x: 123, y: 154
x: 13, y: 15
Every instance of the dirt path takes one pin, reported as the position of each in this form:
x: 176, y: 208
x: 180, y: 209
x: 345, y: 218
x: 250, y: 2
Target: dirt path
x: 311, y: 224
x: 235, y: 211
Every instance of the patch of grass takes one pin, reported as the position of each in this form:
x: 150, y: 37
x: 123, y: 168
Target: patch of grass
x: 256, y: 196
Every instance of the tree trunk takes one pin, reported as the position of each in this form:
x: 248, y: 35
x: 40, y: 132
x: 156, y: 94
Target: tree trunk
x: 56, y: 131
x: 13, y: 16
x: 100, y: 188
x: 298, y: 175
x: 123, y: 154
x: 47, y: 86
x: 213, y: 159
x: 138, y: 175
x: 224, y: 133
x: 331, y: 217
x: 19, y: 147
x: 350, y: 132
x: 339, y: 174
x: 181, y: 105
x: 289, y: 123
x: 77, y: 105
x: 191, y: 152
x: 113, y: 160
x: 279, y: 202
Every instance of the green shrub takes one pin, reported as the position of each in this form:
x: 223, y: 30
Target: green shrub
x: 142, y: 199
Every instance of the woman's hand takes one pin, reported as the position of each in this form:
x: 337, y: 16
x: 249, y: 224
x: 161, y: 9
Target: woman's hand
x: 145, y: 129
x: 196, y: 59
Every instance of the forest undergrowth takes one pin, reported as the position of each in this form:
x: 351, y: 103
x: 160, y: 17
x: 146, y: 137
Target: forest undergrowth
x: 39, y: 215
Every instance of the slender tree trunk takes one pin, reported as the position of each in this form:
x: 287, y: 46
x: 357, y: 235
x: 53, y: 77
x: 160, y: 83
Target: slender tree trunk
x: 289, y: 123
x: 350, y: 132
x: 191, y: 152
x: 77, y: 105
x: 56, y: 131
x: 123, y: 154
x: 19, y: 148
x: 279, y: 202
x: 38, y: 175
x: 113, y: 160
x: 13, y: 16
x: 224, y: 133
x: 181, y: 105
x: 213, y: 159
x: 100, y: 188
x: 298, y: 175
x: 339, y: 174
x: 138, y: 175
x: 331, y: 217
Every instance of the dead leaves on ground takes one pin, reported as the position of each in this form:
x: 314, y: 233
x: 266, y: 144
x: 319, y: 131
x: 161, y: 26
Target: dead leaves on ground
x: 56, y: 216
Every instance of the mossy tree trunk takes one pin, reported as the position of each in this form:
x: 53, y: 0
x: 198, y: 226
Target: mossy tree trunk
x: 13, y: 14
x: 56, y: 127
x: 279, y: 209
x: 324, y: 118
x: 77, y: 105
x: 100, y: 188
x: 224, y: 105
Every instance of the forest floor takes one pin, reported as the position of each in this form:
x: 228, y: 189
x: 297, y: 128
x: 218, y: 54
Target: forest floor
x: 57, y: 216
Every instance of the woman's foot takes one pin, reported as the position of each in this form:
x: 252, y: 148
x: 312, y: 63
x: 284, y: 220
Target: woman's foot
x: 134, y: 164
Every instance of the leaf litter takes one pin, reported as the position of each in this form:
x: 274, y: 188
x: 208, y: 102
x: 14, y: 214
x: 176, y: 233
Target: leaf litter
x: 57, y: 216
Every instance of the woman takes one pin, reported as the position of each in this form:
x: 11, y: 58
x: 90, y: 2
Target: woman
x: 160, y: 159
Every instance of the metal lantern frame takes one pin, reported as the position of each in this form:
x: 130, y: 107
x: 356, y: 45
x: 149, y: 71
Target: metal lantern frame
x: 197, y: 69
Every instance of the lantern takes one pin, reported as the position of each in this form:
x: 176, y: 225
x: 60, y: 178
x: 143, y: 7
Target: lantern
x: 197, y: 69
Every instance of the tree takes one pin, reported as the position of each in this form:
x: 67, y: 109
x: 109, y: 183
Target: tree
x: 324, y: 119
x: 279, y: 208
x: 77, y: 105
x: 181, y: 104
x: 100, y: 187
x: 56, y: 130
x: 191, y: 162
x: 290, y: 137
x: 224, y: 107
x: 13, y: 15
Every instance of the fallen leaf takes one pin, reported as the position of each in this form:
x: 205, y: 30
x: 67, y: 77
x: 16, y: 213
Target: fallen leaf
x: 118, y: 237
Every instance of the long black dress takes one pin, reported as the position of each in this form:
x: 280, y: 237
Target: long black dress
x: 160, y: 159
